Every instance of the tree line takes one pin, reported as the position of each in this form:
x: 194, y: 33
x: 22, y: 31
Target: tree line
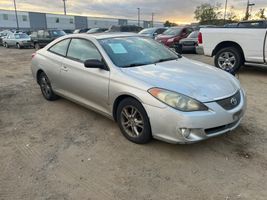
x: 212, y: 14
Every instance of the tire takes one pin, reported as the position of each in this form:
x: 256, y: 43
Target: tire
x: 133, y: 121
x: 18, y: 46
x: 230, y: 63
x: 46, y: 87
x: 36, y: 46
x: 6, y: 45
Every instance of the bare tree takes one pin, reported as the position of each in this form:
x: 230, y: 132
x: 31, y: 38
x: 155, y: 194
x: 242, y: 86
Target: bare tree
x: 261, y: 14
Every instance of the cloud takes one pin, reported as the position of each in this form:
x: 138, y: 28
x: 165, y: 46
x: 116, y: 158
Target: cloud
x: 174, y: 10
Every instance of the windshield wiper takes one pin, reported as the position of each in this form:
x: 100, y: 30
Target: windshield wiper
x: 135, y: 65
x: 165, y: 59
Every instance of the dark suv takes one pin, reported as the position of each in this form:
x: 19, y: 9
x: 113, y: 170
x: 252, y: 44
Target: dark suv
x: 41, y: 38
x: 125, y: 28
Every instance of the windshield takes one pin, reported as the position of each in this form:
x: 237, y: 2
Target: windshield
x: 172, y: 31
x: 21, y: 36
x: 147, y: 31
x: 93, y: 30
x: 57, y: 33
x: 194, y: 34
x: 136, y: 51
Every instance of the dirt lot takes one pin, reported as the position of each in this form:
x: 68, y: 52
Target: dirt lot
x: 60, y: 150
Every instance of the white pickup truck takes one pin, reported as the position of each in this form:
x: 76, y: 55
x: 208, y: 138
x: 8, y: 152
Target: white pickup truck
x: 233, y: 47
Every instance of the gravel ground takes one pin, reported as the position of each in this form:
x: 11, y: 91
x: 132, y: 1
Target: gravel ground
x: 60, y: 150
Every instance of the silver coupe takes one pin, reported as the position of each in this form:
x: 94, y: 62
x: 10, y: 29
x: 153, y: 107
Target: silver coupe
x: 149, y: 90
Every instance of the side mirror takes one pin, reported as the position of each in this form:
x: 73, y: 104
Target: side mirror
x: 93, y: 63
x: 155, y: 34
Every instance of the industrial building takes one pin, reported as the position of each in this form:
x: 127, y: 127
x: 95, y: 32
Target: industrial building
x: 36, y: 20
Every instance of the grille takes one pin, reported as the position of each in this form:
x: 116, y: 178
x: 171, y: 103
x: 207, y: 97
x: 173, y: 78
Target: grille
x: 220, y: 128
x: 230, y: 102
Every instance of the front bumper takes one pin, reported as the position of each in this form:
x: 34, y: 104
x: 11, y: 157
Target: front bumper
x: 166, y: 123
x: 25, y: 44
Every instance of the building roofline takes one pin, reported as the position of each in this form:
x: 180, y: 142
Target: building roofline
x: 77, y: 15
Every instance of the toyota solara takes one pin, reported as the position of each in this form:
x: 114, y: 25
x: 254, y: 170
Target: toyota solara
x: 149, y: 90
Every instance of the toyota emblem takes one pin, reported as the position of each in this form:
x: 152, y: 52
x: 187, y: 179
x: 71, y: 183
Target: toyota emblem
x: 233, y: 101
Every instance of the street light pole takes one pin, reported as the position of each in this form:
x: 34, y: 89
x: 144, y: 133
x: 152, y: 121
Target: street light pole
x: 64, y: 2
x: 15, y: 6
x: 225, y: 11
x: 138, y: 16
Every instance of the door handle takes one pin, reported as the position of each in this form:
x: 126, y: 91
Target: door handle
x: 64, y: 68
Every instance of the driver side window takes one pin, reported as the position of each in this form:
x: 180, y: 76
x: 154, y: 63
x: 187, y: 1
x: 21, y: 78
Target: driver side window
x: 82, y: 50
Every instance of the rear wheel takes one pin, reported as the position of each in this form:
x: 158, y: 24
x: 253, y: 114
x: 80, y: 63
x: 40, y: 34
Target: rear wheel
x: 46, y: 88
x: 228, y: 59
x: 133, y: 121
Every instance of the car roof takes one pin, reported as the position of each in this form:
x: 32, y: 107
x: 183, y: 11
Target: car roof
x: 107, y: 35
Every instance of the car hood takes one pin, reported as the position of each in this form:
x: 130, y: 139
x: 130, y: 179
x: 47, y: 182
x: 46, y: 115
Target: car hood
x: 162, y: 37
x: 197, y: 80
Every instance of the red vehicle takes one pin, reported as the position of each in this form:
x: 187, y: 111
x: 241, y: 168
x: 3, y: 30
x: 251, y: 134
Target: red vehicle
x: 173, y: 35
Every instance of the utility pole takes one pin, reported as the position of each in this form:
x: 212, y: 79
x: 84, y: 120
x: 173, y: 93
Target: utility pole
x: 138, y: 17
x: 15, y: 6
x: 64, y: 2
x: 152, y: 21
x: 249, y: 5
x: 225, y: 10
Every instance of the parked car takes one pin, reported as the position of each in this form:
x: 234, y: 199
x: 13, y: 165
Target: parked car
x: 41, y: 38
x: 19, y: 40
x: 232, y: 47
x: 173, y: 35
x: 4, y: 34
x: 97, y: 30
x: 68, y: 31
x: 152, y: 32
x: 150, y: 91
x: 188, y: 44
x: 125, y: 28
x: 82, y: 30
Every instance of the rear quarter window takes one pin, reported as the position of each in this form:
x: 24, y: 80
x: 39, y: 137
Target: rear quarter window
x: 60, y: 48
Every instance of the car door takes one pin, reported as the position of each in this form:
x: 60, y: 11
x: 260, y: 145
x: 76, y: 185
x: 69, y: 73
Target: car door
x: 40, y: 37
x: 9, y: 39
x: 88, y: 86
x: 53, y: 61
x: 251, y: 37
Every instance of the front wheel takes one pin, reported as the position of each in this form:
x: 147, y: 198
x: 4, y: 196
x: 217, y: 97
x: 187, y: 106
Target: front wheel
x: 228, y: 59
x: 36, y: 46
x: 18, y: 46
x: 133, y: 121
x: 6, y: 45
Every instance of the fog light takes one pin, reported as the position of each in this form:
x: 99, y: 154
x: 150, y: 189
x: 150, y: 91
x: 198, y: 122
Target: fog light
x: 185, y: 132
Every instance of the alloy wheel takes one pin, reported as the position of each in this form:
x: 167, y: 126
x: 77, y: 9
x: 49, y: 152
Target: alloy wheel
x: 132, y: 121
x: 226, y: 61
x: 45, y: 87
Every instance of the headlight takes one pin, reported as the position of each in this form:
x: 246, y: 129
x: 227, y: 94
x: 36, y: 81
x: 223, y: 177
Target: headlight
x: 177, y: 101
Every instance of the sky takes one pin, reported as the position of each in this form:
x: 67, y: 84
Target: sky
x: 179, y: 11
